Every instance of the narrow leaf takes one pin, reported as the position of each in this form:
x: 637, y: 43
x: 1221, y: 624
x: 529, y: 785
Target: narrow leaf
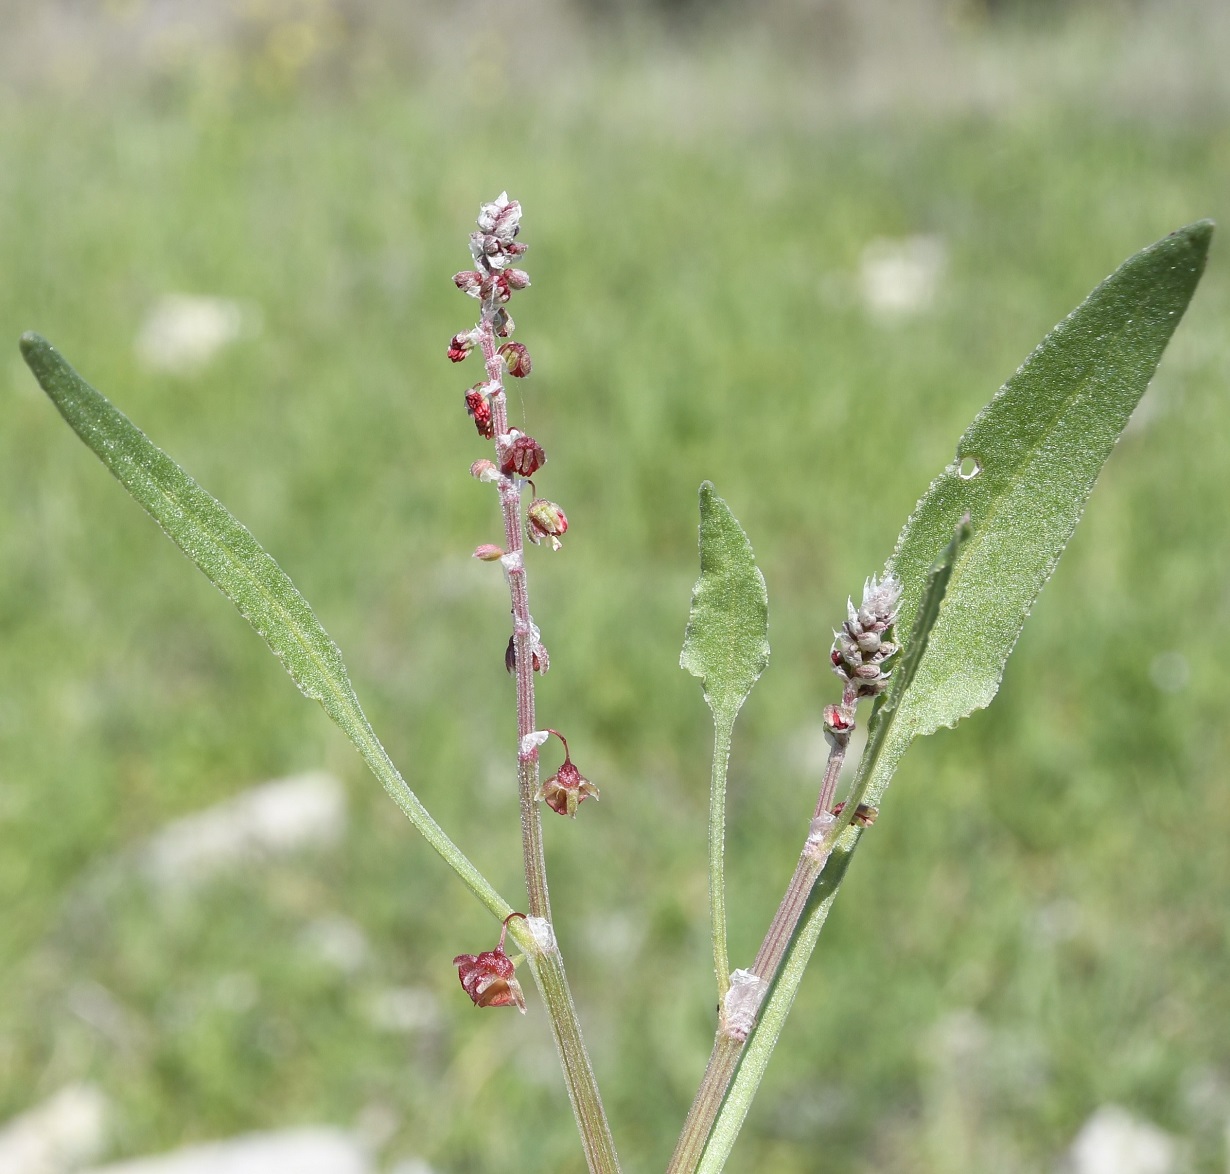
x: 1023, y: 471
x: 239, y: 567
x: 726, y: 643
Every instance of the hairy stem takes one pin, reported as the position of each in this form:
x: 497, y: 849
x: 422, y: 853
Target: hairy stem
x: 545, y: 961
x: 722, y: 730
x: 728, y: 1045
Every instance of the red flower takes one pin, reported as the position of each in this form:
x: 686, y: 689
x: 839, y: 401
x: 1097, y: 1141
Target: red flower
x: 568, y: 788
x: 488, y: 977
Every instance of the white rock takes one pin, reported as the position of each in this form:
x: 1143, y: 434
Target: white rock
x: 59, y: 1135
x: 411, y: 1166
x: 274, y: 819
x: 900, y: 277
x: 318, y: 1150
x: 1112, y: 1141
x: 402, y: 1009
x: 338, y: 942
x: 183, y: 332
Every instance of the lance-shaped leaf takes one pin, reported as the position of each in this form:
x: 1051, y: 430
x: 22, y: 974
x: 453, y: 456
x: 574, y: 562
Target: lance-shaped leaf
x: 726, y: 643
x: 1023, y: 471
x: 240, y: 568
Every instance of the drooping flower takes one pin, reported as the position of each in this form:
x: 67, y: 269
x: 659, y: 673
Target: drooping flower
x: 545, y: 521
x: 489, y: 978
x: 568, y: 788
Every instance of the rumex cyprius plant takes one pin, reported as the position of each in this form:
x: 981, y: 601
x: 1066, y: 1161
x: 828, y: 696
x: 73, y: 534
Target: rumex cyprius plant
x: 924, y: 646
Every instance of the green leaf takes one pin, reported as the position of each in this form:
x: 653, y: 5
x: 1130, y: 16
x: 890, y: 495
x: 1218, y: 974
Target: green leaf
x: 726, y: 643
x: 1023, y: 471
x: 239, y: 567
x: 1038, y: 446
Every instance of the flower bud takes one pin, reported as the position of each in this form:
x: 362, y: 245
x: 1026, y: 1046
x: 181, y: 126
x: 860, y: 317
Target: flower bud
x: 517, y: 359
x: 523, y: 455
x: 480, y: 410
x: 838, y: 720
x: 460, y: 345
x: 488, y: 552
x: 516, y: 278
x: 545, y: 520
x: 469, y: 282
x: 501, y: 218
x: 860, y: 646
x: 484, y: 471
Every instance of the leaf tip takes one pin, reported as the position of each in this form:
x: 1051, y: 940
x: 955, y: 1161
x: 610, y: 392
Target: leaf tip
x: 30, y: 343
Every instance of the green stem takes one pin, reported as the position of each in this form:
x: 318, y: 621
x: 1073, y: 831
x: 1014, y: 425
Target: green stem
x: 547, y: 967
x: 722, y: 730
x: 764, y: 1037
x: 546, y: 963
x: 723, y: 1061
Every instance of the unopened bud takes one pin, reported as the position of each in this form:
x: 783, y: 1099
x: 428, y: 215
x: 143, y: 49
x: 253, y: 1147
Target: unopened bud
x: 484, y: 470
x: 469, y: 281
x: 488, y: 552
x: 838, y: 720
x: 502, y: 218
x: 516, y: 278
x: 517, y: 358
x: 544, y: 521
x: 480, y: 410
x: 460, y: 345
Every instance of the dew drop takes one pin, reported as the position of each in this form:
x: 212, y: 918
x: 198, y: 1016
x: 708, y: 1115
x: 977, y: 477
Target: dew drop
x: 969, y: 469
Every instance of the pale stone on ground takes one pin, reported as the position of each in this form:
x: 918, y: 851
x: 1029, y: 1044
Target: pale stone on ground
x: 900, y: 277
x: 1112, y: 1141
x: 183, y: 332
x: 273, y: 819
x: 57, y: 1136
x: 319, y: 1150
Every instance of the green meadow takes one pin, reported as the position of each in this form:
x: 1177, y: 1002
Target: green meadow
x: 1036, y: 926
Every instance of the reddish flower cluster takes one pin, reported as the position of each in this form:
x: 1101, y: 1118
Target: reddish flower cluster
x: 488, y: 978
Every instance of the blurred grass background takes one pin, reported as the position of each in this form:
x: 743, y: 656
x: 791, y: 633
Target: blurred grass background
x: 1037, y: 926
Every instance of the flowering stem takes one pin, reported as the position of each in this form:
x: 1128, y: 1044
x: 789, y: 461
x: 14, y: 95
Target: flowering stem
x: 862, y: 647
x: 728, y: 1046
x: 534, y: 935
